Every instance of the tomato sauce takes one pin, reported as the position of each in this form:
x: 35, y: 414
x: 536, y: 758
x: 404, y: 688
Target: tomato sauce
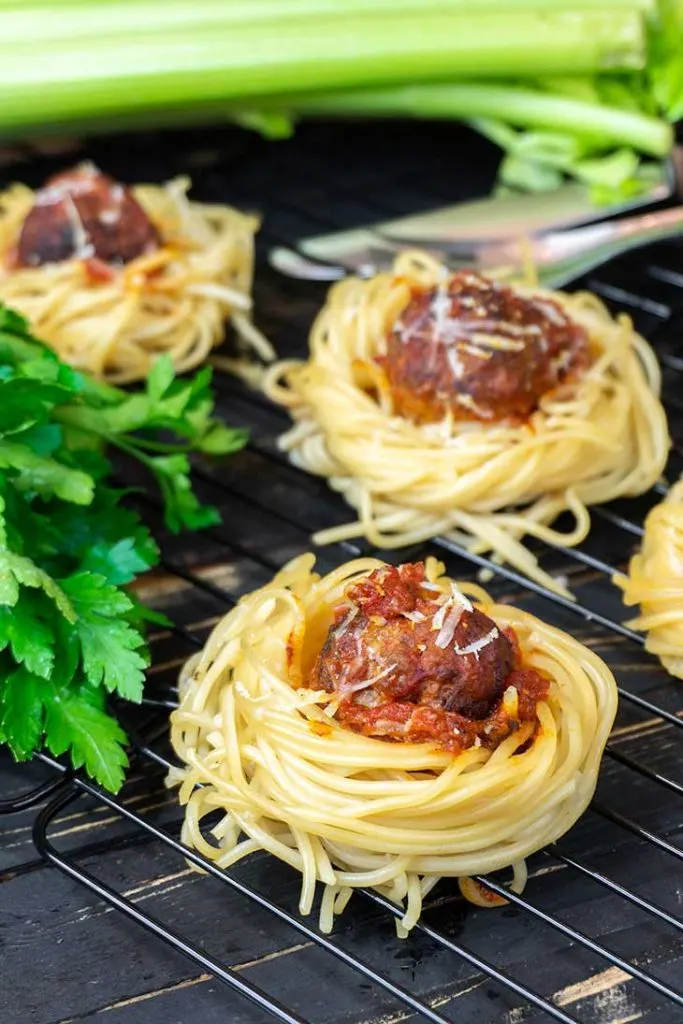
x: 411, y: 663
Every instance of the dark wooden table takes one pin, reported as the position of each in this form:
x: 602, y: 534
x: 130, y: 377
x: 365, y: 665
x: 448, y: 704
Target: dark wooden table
x: 66, y: 956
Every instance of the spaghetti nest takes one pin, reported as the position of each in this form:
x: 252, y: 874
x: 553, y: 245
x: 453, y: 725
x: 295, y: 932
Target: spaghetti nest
x: 484, y: 485
x: 174, y: 300
x: 350, y: 810
x: 655, y: 582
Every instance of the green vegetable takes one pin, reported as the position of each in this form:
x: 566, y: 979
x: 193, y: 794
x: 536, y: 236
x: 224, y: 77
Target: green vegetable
x: 666, y: 69
x: 70, y: 60
x: 565, y: 87
x: 71, y: 633
x: 86, y: 75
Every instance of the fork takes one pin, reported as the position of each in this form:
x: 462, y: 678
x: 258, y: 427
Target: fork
x: 557, y: 256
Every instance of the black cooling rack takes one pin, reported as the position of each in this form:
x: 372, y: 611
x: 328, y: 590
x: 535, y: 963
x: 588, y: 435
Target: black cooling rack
x: 597, y: 935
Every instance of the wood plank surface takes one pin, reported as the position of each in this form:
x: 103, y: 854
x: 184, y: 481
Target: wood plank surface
x: 65, y: 956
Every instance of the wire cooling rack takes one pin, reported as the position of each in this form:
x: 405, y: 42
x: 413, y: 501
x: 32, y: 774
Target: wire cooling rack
x: 597, y: 935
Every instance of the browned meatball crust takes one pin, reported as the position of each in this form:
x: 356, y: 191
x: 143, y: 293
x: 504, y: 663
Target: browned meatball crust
x: 83, y: 214
x: 479, y: 350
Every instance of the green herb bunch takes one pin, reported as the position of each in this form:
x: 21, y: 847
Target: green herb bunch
x: 71, y: 629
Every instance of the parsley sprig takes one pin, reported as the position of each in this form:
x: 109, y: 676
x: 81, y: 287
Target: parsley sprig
x: 71, y: 631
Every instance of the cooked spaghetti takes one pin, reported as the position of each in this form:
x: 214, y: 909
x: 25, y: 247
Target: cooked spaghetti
x: 459, y: 406
x: 375, y: 727
x: 655, y: 582
x: 113, y: 277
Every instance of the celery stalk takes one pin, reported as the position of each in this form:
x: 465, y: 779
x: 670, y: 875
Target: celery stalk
x: 247, y: 10
x: 515, y: 105
x: 63, y: 79
x: 537, y: 76
x: 35, y: 20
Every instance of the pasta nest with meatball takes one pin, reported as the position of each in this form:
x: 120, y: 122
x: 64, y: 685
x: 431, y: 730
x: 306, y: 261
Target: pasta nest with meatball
x: 112, y: 277
x: 456, y: 405
x: 384, y: 727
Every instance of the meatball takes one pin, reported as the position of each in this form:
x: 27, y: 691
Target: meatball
x: 83, y: 214
x: 479, y: 350
x: 410, y: 662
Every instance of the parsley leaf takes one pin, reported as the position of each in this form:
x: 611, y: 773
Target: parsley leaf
x: 25, y: 629
x: 22, y: 696
x: 91, y: 736
x: 30, y: 471
x: 123, y: 560
x: 16, y: 571
x: 110, y: 648
x: 183, y: 508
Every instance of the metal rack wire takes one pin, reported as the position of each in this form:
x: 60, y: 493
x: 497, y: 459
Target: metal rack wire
x: 654, y: 307
x: 31, y: 797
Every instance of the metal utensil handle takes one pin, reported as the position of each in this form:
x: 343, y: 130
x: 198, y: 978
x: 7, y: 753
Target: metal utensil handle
x: 616, y: 235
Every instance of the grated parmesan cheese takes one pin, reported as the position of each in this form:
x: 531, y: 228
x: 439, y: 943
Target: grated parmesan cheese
x: 478, y: 645
x: 344, y: 625
x: 454, y: 361
x: 457, y: 595
x: 447, y: 631
x: 364, y: 683
x: 552, y: 313
x: 511, y: 702
x: 331, y: 709
x: 469, y: 403
x: 110, y: 215
x: 497, y: 341
x: 440, y: 615
x: 441, y: 307
x: 83, y: 249
x: 472, y: 350
x: 447, y: 617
